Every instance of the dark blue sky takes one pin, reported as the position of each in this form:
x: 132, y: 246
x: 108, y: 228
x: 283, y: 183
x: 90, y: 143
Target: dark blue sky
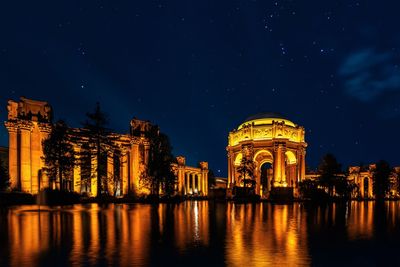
x: 199, y: 68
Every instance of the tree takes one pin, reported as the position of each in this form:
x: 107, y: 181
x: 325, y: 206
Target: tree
x: 343, y: 187
x: 58, y: 155
x: 246, y: 170
x: 309, y: 189
x: 4, y: 177
x: 159, y: 173
x: 98, y: 142
x: 381, y: 181
x: 329, y: 169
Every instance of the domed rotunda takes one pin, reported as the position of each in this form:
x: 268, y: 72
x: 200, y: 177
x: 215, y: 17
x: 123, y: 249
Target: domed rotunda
x: 276, y: 147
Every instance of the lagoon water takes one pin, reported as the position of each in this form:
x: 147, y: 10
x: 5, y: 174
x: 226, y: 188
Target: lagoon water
x: 201, y: 233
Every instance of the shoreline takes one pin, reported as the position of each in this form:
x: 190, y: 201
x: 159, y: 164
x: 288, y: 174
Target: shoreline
x: 17, y: 198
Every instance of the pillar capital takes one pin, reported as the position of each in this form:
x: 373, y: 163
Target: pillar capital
x: 181, y: 160
x: 25, y: 125
x: 203, y: 165
x: 44, y: 127
x: 135, y: 140
x: 11, y: 126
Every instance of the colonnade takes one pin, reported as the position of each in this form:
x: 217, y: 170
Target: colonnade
x: 191, y: 180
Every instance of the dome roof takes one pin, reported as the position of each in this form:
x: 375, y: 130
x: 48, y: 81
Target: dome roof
x: 266, y: 118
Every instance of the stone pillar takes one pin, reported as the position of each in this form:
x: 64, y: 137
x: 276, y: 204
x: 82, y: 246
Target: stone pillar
x: 36, y: 153
x: 187, y: 183
x: 283, y: 166
x: 204, y: 176
x: 197, y: 180
x: 12, y: 128
x: 45, y: 130
x: 230, y: 176
x: 303, y: 166
x: 134, y: 170
x: 193, y: 175
x: 110, y: 173
x: 77, y: 172
x: 181, y: 180
x: 200, y: 183
x: 205, y: 182
x: 25, y: 157
x: 181, y: 165
x: 277, y: 167
x: 125, y: 173
x: 93, y: 177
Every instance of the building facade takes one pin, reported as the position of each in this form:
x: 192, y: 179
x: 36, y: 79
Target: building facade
x: 29, y: 123
x: 277, y: 148
x: 363, y: 179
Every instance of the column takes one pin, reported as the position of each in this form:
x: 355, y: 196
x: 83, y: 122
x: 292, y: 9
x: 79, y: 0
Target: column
x: 200, y: 183
x: 36, y: 153
x: 93, y: 177
x: 303, y: 166
x: 77, y: 172
x: 181, y: 181
x: 124, y: 173
x: 26, y: 175
x: 134, y: 171
x: 230, y: 178
x: 13, y: 155
x: 187, y: 179
x: 110, y: 182
x: 193, y: 182
x: 277, y: 163
x: 205, y: 180
x: 45, y: 129
x: 283, y: 167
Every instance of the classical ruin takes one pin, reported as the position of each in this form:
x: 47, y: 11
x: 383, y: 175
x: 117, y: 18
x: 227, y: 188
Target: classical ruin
x: 29, y: 122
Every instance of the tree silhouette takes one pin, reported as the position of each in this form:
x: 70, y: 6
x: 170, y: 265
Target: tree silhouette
x: 381, y: 181
x: 59, y: 156
x: 159, y: 173
x: 246, y: 170
x: 329, y: 169
x: 4, y: 177
x: 98, y: 142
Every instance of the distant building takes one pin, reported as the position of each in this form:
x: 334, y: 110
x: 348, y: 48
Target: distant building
x: 220, y: 183
x: 362, y: 177
x: 29, y: 123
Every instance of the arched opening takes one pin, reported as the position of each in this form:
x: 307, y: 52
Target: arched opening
x: 264, y: 171
x: 238, y: 159
x: 266, y: 177
x: 366, y: 186
x: 291, y: 168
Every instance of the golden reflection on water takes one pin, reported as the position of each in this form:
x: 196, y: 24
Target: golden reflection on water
x: 190, y: 232
x: 266, y: 235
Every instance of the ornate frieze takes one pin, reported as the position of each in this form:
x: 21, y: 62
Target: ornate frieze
x: 266, y: 132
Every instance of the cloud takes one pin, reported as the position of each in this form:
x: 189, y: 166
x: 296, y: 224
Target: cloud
x: 368, y: 74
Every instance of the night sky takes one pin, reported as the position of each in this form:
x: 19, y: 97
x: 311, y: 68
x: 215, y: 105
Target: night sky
x: 199, y: 68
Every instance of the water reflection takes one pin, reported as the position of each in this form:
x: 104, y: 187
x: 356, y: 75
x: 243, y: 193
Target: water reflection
x: 199, y: 234
x: 266, y: 235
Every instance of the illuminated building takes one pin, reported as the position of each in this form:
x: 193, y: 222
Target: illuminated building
x: 29, y: 123
x: 191, y: 180
x: 276, y: 146
x: 363, y: 179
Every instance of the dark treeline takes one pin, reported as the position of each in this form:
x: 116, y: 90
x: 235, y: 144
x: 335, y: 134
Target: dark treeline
x: 331, y: 182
